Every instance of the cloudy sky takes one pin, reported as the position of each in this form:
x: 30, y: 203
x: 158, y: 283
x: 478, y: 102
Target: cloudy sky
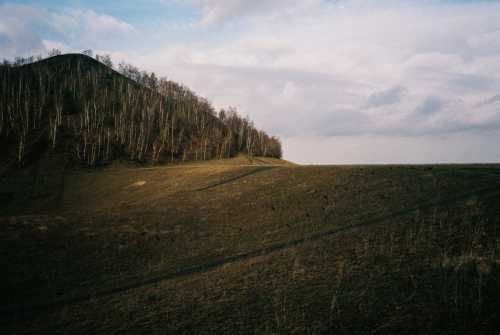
x: 339, y: 81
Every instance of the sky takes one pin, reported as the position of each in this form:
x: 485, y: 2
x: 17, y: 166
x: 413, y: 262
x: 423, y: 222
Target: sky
x: 339, y: 81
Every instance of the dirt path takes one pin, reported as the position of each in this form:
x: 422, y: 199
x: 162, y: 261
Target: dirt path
x: 231, y: 179
x: 219, y: 262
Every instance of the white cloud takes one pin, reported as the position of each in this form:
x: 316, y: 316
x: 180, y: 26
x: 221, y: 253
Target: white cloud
x: 216, y: 11
x: 22, y: 30
x: 50, y: 45
x: 16, y: 31
x: 88, y: 23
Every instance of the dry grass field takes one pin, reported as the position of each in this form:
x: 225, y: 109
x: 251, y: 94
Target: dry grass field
x: 256, y: 246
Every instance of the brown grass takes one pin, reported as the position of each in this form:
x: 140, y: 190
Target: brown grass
x: 424, y: 258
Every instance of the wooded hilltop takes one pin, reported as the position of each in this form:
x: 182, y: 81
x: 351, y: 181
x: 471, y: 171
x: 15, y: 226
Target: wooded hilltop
x: 85, y: 107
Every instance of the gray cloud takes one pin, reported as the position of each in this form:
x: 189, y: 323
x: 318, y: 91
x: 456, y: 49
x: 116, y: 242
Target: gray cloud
x: 489, y: 101
x: 429, y: 106
x: 387, y: 97
x: 473, y: 82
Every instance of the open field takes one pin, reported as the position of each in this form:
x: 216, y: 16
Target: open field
x: 251, y: 246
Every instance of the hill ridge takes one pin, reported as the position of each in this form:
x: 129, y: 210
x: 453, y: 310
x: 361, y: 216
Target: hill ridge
x: 99, y: 114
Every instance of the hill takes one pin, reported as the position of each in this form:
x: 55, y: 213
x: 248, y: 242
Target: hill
x: 239, y: 246
x: 82, y: 111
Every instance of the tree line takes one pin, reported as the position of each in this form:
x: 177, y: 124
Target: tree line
x: 98, y: 112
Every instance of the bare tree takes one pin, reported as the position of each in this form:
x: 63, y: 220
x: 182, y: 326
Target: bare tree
x: 106, y: 116
x: 54, y: 52
x: 88, y: 52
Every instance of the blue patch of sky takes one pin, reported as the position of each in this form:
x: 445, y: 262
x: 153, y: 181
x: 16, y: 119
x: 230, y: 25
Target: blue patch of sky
x: 158, y: 21
x: 138, y: 13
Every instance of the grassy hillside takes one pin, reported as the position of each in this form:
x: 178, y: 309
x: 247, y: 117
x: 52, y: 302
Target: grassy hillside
x: 256, y: 246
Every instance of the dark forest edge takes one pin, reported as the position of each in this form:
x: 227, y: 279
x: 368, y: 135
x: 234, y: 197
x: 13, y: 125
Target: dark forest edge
x: 95, y: 113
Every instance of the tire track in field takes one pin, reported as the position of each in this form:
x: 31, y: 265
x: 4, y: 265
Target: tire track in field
x: 219, y: 262
x: 234, y: 178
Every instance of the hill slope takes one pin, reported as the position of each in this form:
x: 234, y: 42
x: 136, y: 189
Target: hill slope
x: 230, y: 247
x: 79, y: 107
